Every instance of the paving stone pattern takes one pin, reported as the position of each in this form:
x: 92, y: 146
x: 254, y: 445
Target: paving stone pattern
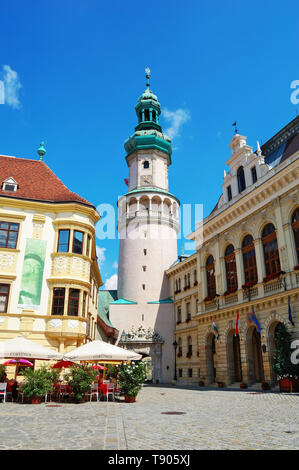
x: 210, y: 419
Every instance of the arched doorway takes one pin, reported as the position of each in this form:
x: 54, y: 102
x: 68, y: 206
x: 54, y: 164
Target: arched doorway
x: 254, y: 356
x: 211, y: 358
x: 234, y: 364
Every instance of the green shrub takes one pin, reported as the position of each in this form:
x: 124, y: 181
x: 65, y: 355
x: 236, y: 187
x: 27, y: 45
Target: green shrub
x: 282, y: 364
x: 131, y: 377
x: 80, y: 379
x: 38, y: 382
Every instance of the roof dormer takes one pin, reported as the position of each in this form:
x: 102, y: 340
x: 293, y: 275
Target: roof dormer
x: 9, y: 185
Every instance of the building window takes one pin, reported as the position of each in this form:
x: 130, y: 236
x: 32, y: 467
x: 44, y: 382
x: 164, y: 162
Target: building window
x: 211, y: 281
x: 84, y: 304
x: 4, y: 295
x: 143, y: 286
x: 231, y: 269
x: 189, y: 353
x: 144, y: 268
x: 180, y: 373
x: 241, y: 179
x: 188, y: 316
x: 146, y: 164
x: 190, y: 372
x: 73, y: 305
x: 146, y: 115
x: 270, y: 248
x: 63, y: 241
x: 249, y: 260
x: 229, y: 193
x: 8, y: 234
x: 88, y: 245
x: 78, y: 242
x: 195, y: 277
x: 179, y: 315
x: 253, y: 175
x: 58, y: 301
x: 180, y: 351
x: 144, y: 252
x: 295, y: 226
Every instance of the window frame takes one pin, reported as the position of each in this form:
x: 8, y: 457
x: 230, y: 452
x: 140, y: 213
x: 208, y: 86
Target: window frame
x: 6, y: 295
x: 250, y: 271
x: 295, y: 228
x: 211, y: 278
x: 271, y: 263
x: 58, y: 297
x: 71, y: 298
x: 231, y: 269
x: 8, y: 233
x: 68, y: 245
x: 73, y: 240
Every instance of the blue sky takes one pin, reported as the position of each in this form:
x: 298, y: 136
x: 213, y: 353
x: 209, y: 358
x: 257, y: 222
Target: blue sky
x: 76, y: 68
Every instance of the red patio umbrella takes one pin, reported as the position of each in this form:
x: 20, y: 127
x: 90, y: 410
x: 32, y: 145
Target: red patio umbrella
x: 98, y: 366
x: 61, y: 364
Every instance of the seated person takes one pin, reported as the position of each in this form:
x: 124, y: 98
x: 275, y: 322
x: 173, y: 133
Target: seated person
x: 4, y: 378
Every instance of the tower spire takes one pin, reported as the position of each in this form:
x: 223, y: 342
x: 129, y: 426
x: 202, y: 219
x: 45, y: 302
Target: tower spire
x: 148, y: 74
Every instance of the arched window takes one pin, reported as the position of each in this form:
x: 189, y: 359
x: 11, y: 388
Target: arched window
x: 211, y: 282
x: 249, y: 260
x: 295, y: 225
x: 231, y: 269
x: 270, y: 248
x: 154, y: 115
x: 146, y: 115
x: 179, y: 315
x: 241, y: 179
x: 146, y: 164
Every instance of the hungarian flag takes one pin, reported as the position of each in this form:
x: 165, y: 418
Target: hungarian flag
x: 290, y: 312
x: 126, y: 181
x: 215, y: 329
x: 237, y: 328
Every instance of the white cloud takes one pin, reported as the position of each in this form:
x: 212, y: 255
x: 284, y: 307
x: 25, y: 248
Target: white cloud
x: 12, y: 86
x: 101, y: 255
x: 176, y: 119
x: 115, y: 265
x: 111, y: 282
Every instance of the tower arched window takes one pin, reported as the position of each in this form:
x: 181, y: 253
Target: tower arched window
x: 146, y: 164
x: 295, y: 226
x: 146, y: 115
x: 154, y: 115
x: 211, y: 281
x: 231, y: 269
x: 249, y: 260
x: 241, y: 179
x: 270, y: 249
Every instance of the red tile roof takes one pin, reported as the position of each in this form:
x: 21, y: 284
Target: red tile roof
x: 35, y: 182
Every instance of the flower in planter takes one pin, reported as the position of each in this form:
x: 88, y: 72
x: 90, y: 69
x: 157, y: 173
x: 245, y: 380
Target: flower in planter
x: 131, y: 377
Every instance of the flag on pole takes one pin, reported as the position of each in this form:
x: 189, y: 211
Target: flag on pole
x: 126, y: 181
x: 255, y: 321
x: 215, y: 329
x: 290, y: 312
x: 237, y: 328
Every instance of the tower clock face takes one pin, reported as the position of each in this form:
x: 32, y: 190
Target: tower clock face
x: 146, y: 179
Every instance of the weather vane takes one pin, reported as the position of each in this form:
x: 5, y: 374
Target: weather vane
x: 148, y: 74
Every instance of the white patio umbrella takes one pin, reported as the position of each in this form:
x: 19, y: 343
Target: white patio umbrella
x: 100, y: 351
x: 22, y: 347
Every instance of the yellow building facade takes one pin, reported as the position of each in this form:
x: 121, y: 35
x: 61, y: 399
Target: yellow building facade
x: 49, y: 276
x: 247, y: 261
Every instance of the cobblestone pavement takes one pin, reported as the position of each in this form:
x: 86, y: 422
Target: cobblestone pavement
x: 211, y: 419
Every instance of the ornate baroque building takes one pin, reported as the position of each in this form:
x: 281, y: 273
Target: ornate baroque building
x: 246, y: 261
x: 49, y: 276
x: 148, y: 224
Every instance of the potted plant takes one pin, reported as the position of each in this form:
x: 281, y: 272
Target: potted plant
x: 80, y: 379
x: 38, y: 383
x: 130, y: 379
x: 265, y: 386
x: 287, y: 373
x: 243, y: 385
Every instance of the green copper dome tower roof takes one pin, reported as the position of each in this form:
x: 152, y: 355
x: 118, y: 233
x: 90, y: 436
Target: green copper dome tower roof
x: 148, y: 132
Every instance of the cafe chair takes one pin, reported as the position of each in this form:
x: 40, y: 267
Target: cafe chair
x: 3, y: 386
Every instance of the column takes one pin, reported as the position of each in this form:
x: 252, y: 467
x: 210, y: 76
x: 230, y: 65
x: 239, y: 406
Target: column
x: 259, y: 255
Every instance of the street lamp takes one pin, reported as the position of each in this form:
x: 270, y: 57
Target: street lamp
x: 175, y: 345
